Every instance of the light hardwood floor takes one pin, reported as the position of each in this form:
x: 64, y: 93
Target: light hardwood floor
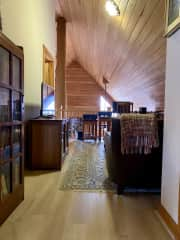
x: 50, y: 214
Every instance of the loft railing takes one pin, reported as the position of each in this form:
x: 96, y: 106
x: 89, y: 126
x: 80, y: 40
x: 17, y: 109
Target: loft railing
x: 73, y: 114
x: 77, y: 114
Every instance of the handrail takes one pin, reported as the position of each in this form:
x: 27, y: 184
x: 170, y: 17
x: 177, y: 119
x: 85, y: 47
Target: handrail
x: 77, y: 114
x: 73, y: 114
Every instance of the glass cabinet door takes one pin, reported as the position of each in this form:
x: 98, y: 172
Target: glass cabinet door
x: 17, y: 171
x: 16, y: 140
x: 4, y: 66
x: 5, y: 144
x: 16, y: 106
x: 5, y: 178
x: 5, y: 104
x: 16, y: 79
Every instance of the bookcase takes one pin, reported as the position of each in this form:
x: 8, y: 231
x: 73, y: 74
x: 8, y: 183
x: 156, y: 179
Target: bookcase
x: 11, y: 127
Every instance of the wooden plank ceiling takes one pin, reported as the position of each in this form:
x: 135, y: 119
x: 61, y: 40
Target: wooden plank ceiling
x: 82, y: 91
x: 129, y: 50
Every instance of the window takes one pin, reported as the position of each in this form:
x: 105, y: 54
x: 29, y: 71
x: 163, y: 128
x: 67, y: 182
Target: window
x: 104, y: 105
x: 48, y: 67
x: 47, y: 89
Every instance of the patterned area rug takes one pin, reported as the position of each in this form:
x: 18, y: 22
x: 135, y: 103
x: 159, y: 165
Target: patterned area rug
x: 85, y: 168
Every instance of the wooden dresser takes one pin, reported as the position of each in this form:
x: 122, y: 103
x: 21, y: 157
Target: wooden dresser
x: 48, y: 143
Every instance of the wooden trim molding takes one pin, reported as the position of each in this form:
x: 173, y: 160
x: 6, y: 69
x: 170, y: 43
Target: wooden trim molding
x: 172, y: 225
x: 9, y: 45
x: 174, y: 228
x: 48, y: 67
x: 179, y: 213
x: 47, y: 55
x: 60, y: 97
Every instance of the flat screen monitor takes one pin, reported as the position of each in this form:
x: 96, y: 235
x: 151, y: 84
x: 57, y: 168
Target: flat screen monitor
x: 47, y: 100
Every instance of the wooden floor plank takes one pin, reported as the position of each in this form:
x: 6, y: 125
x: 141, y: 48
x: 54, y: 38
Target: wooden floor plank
x: 48, y: 213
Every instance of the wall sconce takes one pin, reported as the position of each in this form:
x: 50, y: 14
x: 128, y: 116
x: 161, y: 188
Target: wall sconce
x: 112, y: 8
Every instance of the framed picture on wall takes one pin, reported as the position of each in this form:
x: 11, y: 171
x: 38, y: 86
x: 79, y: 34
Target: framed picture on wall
x: 172, y: 16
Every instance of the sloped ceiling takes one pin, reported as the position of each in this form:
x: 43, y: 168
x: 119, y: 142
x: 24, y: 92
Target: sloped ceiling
x: 129, y: 50
x: 82, y: 91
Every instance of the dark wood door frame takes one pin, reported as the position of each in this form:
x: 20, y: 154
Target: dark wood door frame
x: 60, y: 99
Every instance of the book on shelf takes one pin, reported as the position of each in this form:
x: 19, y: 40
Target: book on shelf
x: 4, y: 113
x: 4, y: 187
x: 16, y: 148
x: 17, y: 174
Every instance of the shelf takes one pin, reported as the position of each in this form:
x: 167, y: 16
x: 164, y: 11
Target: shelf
x: 9, y: 124
x: 9, y: 87
x: 2, y: 162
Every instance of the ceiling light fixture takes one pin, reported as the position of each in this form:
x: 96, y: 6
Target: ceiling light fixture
x: 112, y: 8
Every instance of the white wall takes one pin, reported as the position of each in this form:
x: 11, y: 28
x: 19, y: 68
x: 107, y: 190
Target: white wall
x: 171, y: 153
x: 30, y: 24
